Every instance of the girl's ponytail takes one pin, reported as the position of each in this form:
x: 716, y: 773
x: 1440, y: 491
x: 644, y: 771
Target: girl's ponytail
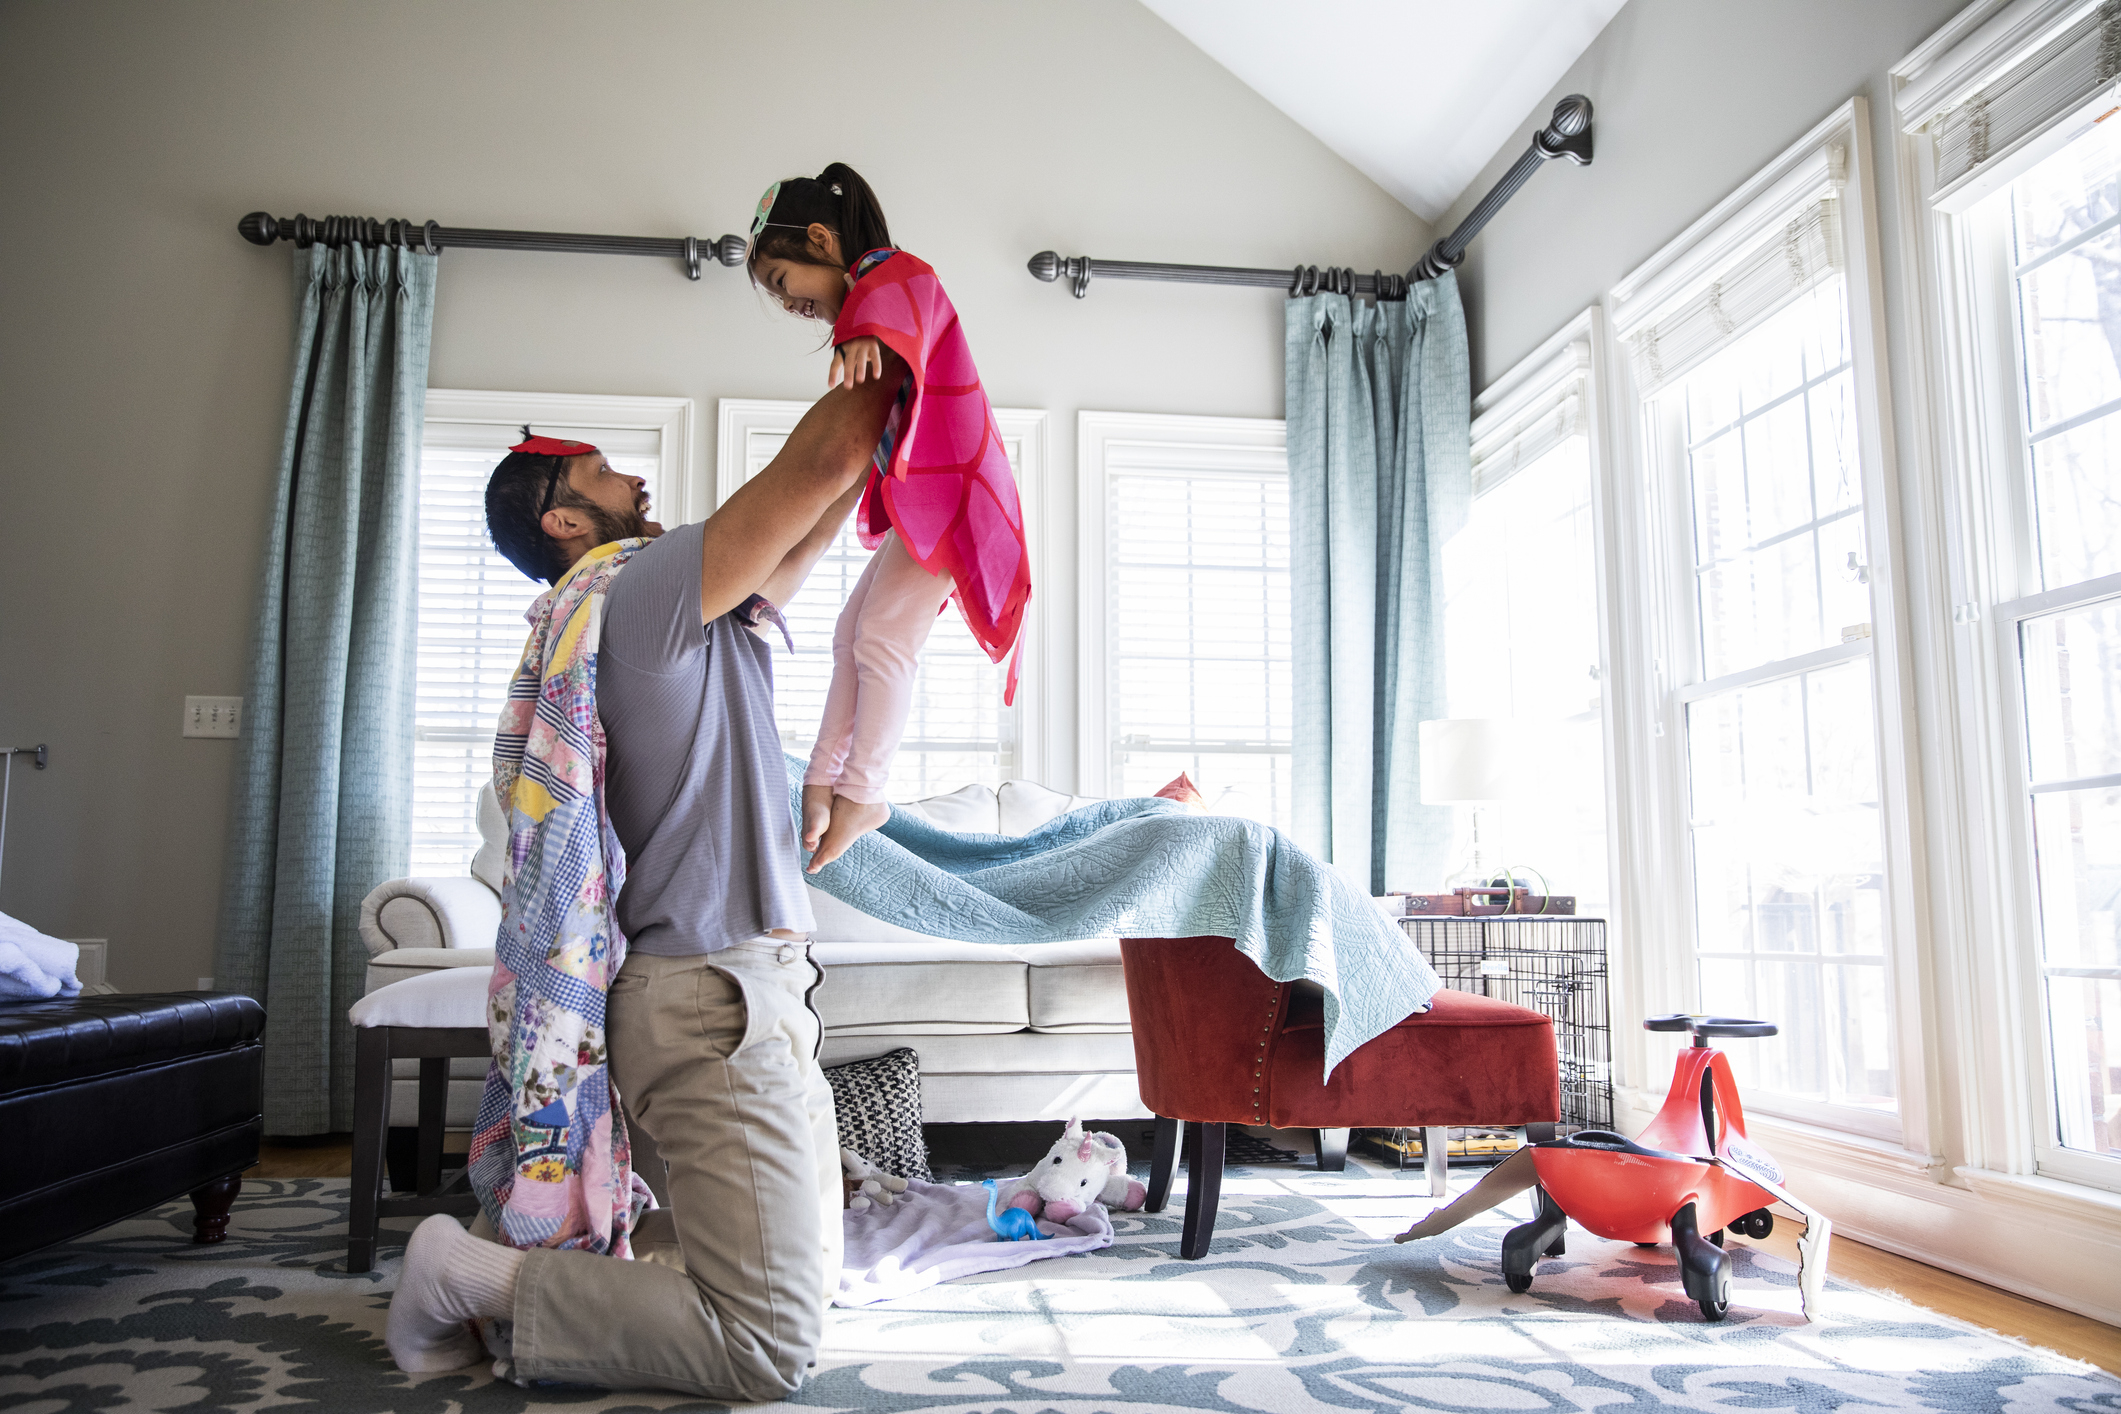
x: 861, y: 223
x: 836, y: 198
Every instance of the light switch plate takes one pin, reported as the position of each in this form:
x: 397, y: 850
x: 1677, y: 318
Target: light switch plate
x: 94, y: 963
x: 213, y: 716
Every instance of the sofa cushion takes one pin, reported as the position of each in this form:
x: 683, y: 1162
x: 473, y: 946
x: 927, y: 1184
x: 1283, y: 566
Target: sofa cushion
x: 401, y: 963
x: 1019, y: 1053
x: 930, y: 986
x: 1023, y: 806
x: 969, y: 810
x: 1076, y: 986
x: 843, y: 923
x: 487, y: 864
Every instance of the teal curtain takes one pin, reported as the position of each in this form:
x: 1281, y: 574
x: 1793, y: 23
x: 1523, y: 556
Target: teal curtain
x: 1380, y: 476
x: 323, y: 794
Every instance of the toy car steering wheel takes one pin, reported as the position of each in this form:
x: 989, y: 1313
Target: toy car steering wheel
x: 1704, y: 1027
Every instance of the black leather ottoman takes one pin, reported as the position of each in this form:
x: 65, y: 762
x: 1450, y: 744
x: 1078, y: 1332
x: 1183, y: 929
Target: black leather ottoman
x: 110, y: 1105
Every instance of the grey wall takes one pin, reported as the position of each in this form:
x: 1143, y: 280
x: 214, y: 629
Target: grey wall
x: 1692, y: 98
x: 144, y: 349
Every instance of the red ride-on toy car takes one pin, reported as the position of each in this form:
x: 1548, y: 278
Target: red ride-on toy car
x: 1689, y: 1175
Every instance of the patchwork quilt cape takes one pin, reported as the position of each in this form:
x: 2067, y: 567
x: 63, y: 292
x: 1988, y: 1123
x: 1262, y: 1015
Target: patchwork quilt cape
x: 950, y: 493
x: 550, y: 1159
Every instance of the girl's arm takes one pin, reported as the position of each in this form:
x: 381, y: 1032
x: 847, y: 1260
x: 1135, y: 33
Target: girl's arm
x: 795, y: 567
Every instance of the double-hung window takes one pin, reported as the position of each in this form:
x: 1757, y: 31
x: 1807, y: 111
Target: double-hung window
x: 959, y: 732
x: 2046, y: 249
x: 1184, y: 609
x: 472, y: 601
x: 1776, y: 672
x: 1521, y: 612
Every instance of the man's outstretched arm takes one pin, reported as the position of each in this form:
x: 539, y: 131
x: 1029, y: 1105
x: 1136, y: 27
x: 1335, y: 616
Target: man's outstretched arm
x: 751, y: 537
x: 795, y: 567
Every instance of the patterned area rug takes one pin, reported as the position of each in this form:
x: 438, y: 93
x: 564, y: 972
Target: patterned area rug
x: 1303, y: 1307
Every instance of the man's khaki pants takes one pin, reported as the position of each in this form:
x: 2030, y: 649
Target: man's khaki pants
x: 715, y: 1057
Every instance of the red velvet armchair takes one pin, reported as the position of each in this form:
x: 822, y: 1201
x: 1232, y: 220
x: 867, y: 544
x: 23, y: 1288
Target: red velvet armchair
x: 1217, y: 1042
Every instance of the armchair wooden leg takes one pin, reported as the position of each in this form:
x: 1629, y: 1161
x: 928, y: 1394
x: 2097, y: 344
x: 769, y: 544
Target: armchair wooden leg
x: 1204, y: 1186
x: 1332, y: 1150
x: 1436, y: 1157
x: 434, y: 1106
x: 371, y: 1117
x: 1162, y: 1163
x: 210, y: 1204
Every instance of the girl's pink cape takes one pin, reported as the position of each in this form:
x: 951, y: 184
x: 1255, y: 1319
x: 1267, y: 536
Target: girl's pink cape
x: 950, y: 494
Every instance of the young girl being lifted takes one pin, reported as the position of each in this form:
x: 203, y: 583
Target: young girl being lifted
x: 940, y: 509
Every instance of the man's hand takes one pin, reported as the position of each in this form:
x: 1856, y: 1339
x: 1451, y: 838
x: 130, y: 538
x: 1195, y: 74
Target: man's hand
x: 856, y: 361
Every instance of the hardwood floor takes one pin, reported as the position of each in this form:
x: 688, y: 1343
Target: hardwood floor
x: 1945, y: 1292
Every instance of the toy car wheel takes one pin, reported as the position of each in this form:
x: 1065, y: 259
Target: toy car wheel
x: 1717, y: 1237
x: 1756, y: 1224
x: 1516, y: 1283
x: 1648, y: 1244
x: 1714, y: 1310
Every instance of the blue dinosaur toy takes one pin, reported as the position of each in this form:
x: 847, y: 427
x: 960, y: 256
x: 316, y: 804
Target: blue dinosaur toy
x: 1011, y: 1224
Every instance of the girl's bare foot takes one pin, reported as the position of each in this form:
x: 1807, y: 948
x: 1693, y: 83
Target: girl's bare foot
x: 851, y: 819
x: 817, y: 814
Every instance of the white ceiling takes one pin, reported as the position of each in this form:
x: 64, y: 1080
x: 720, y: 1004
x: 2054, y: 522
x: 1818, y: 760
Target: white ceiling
x: 1416, y: 94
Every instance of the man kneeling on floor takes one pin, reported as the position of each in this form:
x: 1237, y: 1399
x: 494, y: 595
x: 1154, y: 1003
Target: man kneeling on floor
x: 712, y: 1040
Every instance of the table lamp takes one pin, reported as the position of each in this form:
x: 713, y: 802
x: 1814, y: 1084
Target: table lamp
x: 1473, y: 761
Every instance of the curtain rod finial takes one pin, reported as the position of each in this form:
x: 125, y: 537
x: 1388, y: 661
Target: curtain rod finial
x: 730, y: 250
x: 258, y: 228
x: 1045, y: 266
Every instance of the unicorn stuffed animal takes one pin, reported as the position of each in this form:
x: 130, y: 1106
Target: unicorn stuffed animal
x: 1080, y: 1169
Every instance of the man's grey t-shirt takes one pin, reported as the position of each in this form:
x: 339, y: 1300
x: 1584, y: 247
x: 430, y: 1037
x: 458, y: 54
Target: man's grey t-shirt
x: 694, y: 776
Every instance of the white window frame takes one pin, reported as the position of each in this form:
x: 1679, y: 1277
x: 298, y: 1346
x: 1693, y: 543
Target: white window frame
x: 1836, y: 155
x: 468, y: 417
x: 1026, y: 747
x: 458, y: 418
x: 1983, y: 583
x: 1106, y: 442
x: 1573, y: 365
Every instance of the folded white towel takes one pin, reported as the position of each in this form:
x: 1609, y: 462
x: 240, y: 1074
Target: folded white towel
x: 33, y: 966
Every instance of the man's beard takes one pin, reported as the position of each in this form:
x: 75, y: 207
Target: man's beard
x: 613, y: 525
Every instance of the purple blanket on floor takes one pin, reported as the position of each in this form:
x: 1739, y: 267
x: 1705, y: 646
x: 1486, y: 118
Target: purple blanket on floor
x: 938, y: 1232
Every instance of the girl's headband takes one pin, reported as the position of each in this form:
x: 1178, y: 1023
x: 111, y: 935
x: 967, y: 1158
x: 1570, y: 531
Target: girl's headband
x: 773, y: 194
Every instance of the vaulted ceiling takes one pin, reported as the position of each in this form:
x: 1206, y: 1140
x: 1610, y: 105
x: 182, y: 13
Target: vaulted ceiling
x: 1415, y: 94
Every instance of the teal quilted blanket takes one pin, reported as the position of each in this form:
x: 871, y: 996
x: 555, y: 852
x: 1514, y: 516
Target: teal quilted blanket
x: 1144, y: 868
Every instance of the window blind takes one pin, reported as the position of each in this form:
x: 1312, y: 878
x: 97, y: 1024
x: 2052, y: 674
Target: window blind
x: 1526, y: 423
x: 2028, y: 92
x: 1804, y: 251
x: 471, y: 634
x: 1198, y: 671
x: 955, y: 732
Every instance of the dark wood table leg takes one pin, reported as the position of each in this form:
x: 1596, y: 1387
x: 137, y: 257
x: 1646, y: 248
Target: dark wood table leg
x: 1163, y: 1163
x: 1204, y: 1186
x: 210, y: 1204
x: 371, y: 1115
x: 1332, y: 1150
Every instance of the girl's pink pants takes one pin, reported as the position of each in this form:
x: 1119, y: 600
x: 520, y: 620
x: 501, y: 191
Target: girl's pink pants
x: 875, y: 649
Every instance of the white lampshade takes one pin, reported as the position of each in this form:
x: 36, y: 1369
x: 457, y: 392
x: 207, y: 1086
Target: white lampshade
x: 1471, y: 759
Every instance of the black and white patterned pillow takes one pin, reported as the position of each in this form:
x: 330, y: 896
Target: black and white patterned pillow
x: 879, y: 1106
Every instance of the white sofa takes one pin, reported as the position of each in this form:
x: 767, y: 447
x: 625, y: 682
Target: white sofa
x: 1003, y: 1033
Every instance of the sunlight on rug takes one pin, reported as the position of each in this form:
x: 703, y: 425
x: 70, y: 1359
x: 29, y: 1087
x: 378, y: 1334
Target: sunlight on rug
x: 1303, y: 1305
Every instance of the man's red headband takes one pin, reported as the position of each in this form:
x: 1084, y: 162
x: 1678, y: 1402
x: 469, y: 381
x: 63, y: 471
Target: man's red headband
x: 552, y: 447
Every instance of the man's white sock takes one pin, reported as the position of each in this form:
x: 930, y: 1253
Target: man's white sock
x: 450, y: 1277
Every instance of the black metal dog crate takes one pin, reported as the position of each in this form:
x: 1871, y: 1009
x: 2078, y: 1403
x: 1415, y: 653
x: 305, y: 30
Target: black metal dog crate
x: 1555, y: 965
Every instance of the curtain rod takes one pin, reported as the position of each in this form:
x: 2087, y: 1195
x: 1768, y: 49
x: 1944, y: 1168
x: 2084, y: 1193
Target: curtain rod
x: 1567, y: 134
x: 261, y: 228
